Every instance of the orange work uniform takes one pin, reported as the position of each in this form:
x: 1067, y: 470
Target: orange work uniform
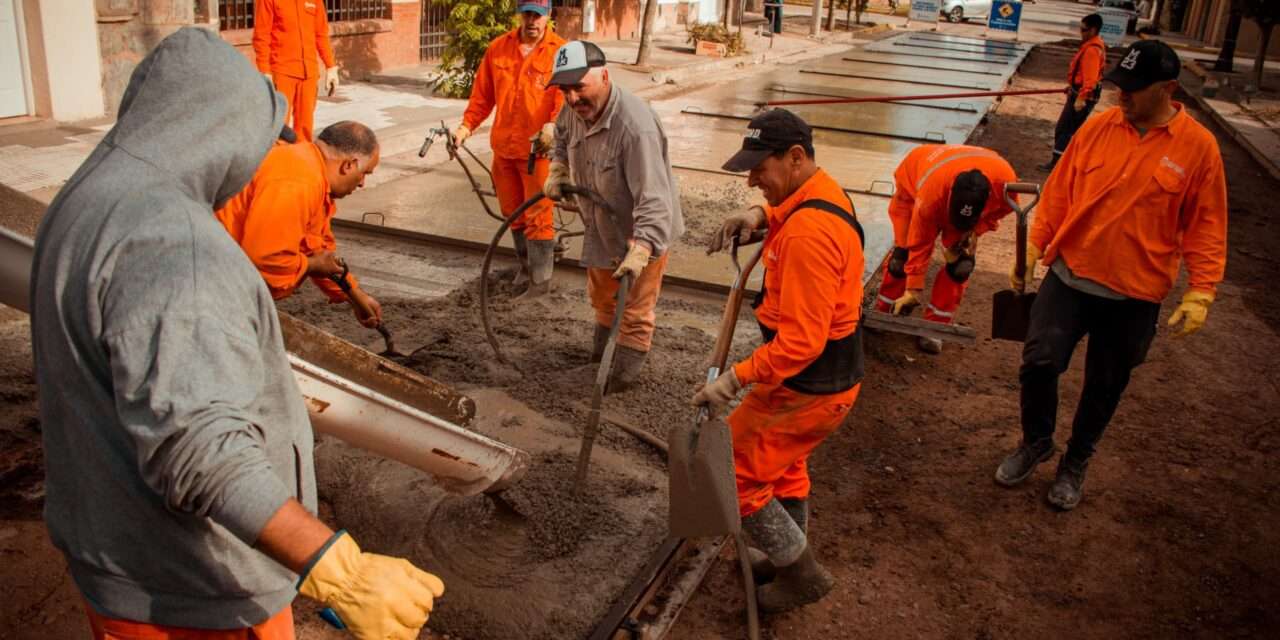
x: 515, y: 86
x: 277, y: 627
x: 920, y: 214
x: 288, y: 37
x: 1085, y: 71
x: 806, y: 377
x: 1122, y: 207
x: 282, y: 217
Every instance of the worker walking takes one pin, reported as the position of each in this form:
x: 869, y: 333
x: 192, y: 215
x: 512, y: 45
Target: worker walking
x: 612, y: 143
x: 1139, y: 187
x: 513, y: 82
x: 180, y: 482
x: 806, y: 376
x: 288, y: 37
x: 1084, y: 78
x: 951, y: 192
x: 282, y: 219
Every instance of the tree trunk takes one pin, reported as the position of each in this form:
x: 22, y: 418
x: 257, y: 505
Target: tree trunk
x: 1260, y: 64
x: 831, y: 15
x: 848, y: 8
x: 1226, y: 56
x: 816, y: 27
x: 646, y: 31
x: 1155, y: 19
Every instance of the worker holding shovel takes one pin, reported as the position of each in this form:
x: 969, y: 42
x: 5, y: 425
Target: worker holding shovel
x: 1139, y: 190
x: 951, y: 192
x: 282, y: 218
x: 806, y: 376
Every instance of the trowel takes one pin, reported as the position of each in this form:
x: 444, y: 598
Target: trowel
x: 1011, y: 308
x: 703, y: 492
x: 343, y: 283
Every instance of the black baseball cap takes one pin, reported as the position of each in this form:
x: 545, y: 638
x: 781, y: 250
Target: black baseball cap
x: 969, y: 195
x: 1143, y: 64
x: 768, y: 133
x: 573, y: 60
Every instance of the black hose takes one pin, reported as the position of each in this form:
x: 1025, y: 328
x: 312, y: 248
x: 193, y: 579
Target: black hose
x: 484, y: 276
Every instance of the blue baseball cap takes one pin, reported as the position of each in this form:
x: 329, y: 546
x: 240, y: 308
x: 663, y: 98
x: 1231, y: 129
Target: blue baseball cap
x: 540, y: 7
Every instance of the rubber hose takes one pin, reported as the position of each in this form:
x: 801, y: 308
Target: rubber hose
x: 484, y: 276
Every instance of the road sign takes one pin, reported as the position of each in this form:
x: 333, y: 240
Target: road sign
x: 1114, y: 23
x: 925, y: 10
x: 1006, y: 15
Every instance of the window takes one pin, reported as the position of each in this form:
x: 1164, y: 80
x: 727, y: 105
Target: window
x: 238, y: 14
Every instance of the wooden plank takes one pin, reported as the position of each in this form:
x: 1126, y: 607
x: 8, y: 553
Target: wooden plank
x: 908, y: 325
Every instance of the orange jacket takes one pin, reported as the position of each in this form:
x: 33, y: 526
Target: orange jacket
x: 1086, y: 66
x: 283, y: 216
x: 288, y: 35
x: 1121, y: 209
x: 813, y: 283
x: 516, y: 86
x: 919, y: 209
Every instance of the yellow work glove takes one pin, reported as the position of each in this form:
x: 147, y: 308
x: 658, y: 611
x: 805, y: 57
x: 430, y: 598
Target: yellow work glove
x: 557, y: 178
x: 741, y: 225
x: 909, y: 301
x: 461, y: 134
x: 1194, y: 308
x: 545, y: 139
x: 636, y: 260
x: 377, y: 597
x: 717, y: 395
x: 331, y: 80
x: 1018, y: 281
x: 967, y: 246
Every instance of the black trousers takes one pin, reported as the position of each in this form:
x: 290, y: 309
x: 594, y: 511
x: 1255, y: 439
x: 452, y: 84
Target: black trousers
x: 1120, y: 332
x: 1070, y: 121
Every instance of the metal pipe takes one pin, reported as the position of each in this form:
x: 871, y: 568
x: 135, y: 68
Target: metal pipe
x: 862, y: 132
x: 16, y: 253
x: 782, y: 89
x: 921, y: 66
x: 936, y: 96
x: 860, y: 76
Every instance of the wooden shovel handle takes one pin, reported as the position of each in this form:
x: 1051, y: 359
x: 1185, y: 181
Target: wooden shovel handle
x: 1020, y: 237
x: 729, y: 321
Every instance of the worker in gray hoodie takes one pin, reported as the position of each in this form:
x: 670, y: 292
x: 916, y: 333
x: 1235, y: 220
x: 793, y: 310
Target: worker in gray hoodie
x: 180, y: 481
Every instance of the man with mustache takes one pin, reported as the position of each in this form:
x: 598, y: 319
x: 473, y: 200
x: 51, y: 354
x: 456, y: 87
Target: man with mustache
x: 611, y: 142
x: 513, y: 81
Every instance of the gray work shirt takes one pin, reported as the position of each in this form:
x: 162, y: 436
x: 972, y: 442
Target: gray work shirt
x: 1083, y: 285
x: 623, y: 157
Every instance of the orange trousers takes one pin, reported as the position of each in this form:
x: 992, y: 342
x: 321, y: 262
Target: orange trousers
x: 774, y: 430
x: 300, y: 93
x: 944, y: 299
x: 514, y: 186
x: 638, y: 314
x: 277, y: 627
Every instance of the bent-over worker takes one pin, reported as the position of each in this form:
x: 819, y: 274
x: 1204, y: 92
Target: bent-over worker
x: 282, y: 218
x: 951, y: 192
x: 612, y: 143
x: 1140, y: 189
x: 806, y: 376
x: 513, y: 83
x: 180, y: 479
x: 288, y: 37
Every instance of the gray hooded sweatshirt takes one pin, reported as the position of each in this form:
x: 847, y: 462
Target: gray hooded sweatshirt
x: 173, y: 427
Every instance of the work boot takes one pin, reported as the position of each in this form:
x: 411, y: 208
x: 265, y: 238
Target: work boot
x: 541, y: 264
x: 932, y: 346
x: 762, y: 568
x: 1019, y: 464
x: 1068, y: 487
x: 802, y: 582
x: 626, y: 368
x: 598, y: 342
x: 522, y: 255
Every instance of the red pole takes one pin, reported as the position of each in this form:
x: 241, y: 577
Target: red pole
x: 936, y: 96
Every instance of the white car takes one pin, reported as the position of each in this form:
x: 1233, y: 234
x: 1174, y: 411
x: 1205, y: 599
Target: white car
x: 961, y: 10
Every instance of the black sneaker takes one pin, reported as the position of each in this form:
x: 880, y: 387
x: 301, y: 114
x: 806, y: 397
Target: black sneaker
x: 1068, y: 487
x: 1048, y: 166
x: 1019, y: 464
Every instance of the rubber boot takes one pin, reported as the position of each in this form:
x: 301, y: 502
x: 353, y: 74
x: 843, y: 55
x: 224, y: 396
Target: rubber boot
x: 541, y: 264
x: 762, y: 568
x: 800, y: 579
x: 1018, y: 465
x: 1068, y: 487
x: 522, y: 254
x: 627, y: 363
x: 598, y: 342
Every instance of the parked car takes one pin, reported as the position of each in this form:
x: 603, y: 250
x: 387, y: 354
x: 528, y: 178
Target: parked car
x: 1129, y: 7
x: 961, y: 10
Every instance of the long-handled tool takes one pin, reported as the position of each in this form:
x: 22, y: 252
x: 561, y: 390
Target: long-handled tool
x: 597, y: 392
x: 345, y: 284
x: 1011, y: 308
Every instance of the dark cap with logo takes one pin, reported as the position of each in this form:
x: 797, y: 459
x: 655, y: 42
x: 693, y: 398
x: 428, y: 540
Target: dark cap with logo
x: 969, y: 195
x: 1143, y: 64
x: 768, y: 133
x: 574, y: 60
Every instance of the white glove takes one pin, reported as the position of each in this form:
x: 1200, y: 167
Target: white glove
x: 717, y: 395
x: 331, y: 80
x: 461, y: 134
x: 557, y: 178
x: 545, y: 139
x: 741, y: 225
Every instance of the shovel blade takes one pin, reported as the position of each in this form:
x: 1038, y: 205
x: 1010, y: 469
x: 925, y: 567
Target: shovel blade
x: 1011, y: 315
x: 703, y: 491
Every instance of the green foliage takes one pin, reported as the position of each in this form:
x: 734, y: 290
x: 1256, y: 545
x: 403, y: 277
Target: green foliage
x: 472, y: 25
x: 716, y: 32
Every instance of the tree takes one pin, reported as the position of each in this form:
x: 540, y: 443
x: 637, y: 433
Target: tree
x: 1226, y: 55
x: 831, y: 14
x: 646, y: 29
x: 1266, y: 14
x: 472, y: 25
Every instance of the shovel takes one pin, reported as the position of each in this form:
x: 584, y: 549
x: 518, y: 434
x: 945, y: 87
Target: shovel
x: 1011, y: 308
x: 703, y: 493
x: 597, y: 395
x: 341, y: 280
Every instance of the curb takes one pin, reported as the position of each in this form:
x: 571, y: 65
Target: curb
x: 1267, y: 164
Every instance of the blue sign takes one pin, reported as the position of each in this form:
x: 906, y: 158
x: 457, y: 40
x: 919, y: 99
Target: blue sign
x: 1006, y: 15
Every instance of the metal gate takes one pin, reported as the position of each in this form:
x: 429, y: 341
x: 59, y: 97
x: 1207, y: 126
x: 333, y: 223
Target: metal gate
x: 433, y: 36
